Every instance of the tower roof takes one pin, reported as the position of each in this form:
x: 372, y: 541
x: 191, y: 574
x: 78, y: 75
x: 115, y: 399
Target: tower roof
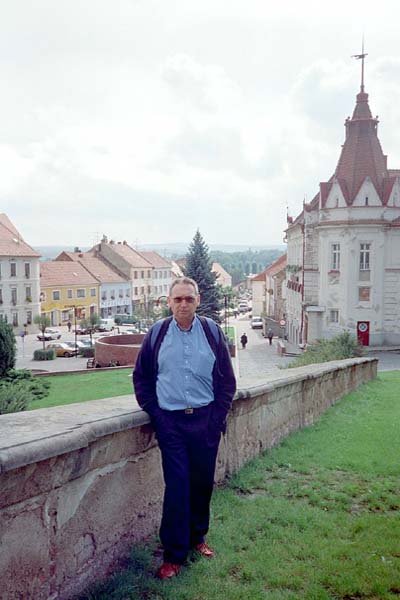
x: 362, y: 154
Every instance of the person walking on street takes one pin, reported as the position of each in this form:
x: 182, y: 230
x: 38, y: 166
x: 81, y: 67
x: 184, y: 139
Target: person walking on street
x: 183, y: 378
x: 69, y: 325
x: 270, y: 335
x: 243, y: 340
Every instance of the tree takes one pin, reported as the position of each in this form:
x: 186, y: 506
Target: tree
x: 198, y: 267
x: 7, y: 347
x: 42, y: 321
x: 91, y: 323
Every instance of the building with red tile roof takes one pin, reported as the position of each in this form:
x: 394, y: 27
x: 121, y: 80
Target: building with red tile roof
x: 115, y: 294
x: 67, y: 288
x: 19, y: 278
x: 268, y: 290
x: 162, y: 275
x: 343, y: 271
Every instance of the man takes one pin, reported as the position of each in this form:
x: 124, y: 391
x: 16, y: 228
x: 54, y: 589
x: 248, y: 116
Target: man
x: 184, y: 380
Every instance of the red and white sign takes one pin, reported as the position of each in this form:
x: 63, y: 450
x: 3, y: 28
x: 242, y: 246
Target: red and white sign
x: 282, y: 322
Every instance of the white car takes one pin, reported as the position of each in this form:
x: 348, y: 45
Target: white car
x: 49, y: 334
x: 256, y: 323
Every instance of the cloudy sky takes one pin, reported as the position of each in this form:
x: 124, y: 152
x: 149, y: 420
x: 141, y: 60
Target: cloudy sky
x: 145, y: 119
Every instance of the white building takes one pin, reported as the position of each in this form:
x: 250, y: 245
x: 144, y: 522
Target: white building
x: 343, y: 255
x: 19, y: 278
x: 161, y: 274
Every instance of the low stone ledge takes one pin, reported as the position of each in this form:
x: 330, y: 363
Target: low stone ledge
x: 81, y: 483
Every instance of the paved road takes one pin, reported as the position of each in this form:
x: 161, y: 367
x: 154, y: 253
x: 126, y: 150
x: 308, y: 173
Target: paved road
x: 258, y: 360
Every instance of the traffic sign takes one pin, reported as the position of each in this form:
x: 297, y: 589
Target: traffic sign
x: 282, y: 322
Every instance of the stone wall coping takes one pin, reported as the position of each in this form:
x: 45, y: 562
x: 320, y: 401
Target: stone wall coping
x: 32, y: 436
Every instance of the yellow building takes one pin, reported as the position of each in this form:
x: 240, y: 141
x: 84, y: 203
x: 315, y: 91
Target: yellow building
x: 67, y: 288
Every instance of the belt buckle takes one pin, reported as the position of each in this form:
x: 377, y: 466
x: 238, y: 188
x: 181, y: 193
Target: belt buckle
x: 189, y: 411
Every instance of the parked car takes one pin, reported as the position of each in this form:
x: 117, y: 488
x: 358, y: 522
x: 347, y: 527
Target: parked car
x: 82, y: 331
x: 122, y: 319
x: 256, y: 323
x: 63, y: 349
x: 49, y: 334
x: 79, y: 344
x: 243, y: 307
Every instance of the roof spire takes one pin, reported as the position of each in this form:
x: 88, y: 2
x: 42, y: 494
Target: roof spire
x: 362, y: 56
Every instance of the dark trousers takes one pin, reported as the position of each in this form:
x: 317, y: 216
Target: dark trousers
x: 189, y: 446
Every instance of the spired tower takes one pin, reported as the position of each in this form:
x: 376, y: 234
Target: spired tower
x: 344, y: 248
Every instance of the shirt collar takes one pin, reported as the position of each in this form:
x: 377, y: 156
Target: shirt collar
x: 191, y: 328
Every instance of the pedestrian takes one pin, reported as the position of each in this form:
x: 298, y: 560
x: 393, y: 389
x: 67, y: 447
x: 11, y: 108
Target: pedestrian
x: 69, y: 325
x: 270, y: 335
x: 183, y: 378
x: 243, y: 340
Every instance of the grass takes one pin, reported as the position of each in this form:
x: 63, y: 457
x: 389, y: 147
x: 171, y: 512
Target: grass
x: 92, y: 385
x: 315, y: 518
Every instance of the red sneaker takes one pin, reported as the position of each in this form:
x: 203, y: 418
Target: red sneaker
x: 168, y: 570
x: 205, y: 550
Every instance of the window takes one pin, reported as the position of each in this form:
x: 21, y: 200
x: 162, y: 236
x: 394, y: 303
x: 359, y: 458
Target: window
x: 149, y: 289
x: 135, y: 275
x: 142, y: 290
x: 81, y: 293
x: 56, y: 295
x: 65, y: 315
x: 112, y: 294
x: 364, y: 257
x: 104, y: 295
x: 0, y: 270
x: 27, y: 270
x: 366, y: 200
x: 334, y: 315
x: 1, y: 296
x: 69, y: 294
x: 14, y: 296
x: 335, y: 257
x: 92, y: 291
x: 28, y: 294
x: 29, y: 317
x: 149, y: 274
x: 142, y: 274
x: 364, y: 294
x: 14, y: 315
x: 127, y: 293
x: 136, y: 291
x: 121, y: 293
x: 13, y: 269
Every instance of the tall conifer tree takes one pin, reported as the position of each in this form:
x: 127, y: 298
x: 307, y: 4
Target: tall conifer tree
x: 198, y: 267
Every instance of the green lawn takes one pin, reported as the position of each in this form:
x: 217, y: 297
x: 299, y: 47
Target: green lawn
x: 316, y: 518
x: 88, y: 385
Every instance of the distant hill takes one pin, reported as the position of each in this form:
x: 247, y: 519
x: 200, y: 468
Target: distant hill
x: 50, y: 252
x: 167, y: 250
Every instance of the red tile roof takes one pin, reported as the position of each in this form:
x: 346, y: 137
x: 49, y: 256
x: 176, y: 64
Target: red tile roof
x: 157, y: 261
x: 97, y: 266
x: 11, y: 241
x: 130, y: 255
x: 361, y: 154
x: 63, y: 273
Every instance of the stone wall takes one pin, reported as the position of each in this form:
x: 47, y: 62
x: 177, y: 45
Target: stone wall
x: 81, y: 483
x: 121, y: 349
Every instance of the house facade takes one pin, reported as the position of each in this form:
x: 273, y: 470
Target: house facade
x: 223, y: 277
x: 68, y: 292
x: 115, y: 292
x: 129, y: 262
x: 343, y: 250
x: 161, y: 274
x: 19, y: 278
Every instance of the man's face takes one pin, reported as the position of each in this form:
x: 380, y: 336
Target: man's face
x: 183, y: 302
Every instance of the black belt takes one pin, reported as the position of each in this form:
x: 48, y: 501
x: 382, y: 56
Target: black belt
x: 191, y: 410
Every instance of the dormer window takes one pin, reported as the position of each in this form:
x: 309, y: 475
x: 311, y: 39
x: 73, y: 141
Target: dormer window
x: 336, y: 202
x: 366, y: 200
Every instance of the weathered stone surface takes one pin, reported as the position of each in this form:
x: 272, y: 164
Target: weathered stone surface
x: 81, y: 483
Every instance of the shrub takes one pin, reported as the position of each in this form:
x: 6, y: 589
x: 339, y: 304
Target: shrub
x: 7, y: 347
x: 87, y: 352
x: 47, y: 354
x: 36, y: 386
x: 340, y: 347
x: 13, y: 397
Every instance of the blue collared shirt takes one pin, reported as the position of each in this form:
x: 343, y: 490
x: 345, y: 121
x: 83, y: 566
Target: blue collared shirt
x: 185, y: 365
